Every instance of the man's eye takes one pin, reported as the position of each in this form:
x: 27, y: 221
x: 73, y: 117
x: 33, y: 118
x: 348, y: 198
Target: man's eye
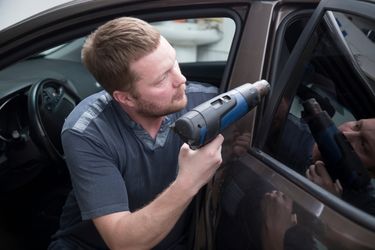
x: 357, y: 126
x: 164, y: 77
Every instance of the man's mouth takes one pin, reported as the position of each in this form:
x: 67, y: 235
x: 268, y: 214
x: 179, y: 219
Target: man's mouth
x: 180, y: 95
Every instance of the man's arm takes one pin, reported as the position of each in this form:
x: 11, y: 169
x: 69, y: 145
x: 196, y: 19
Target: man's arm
x: 146, y: 227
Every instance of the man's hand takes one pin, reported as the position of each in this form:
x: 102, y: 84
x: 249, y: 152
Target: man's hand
x: 318, y: 174
x: 241, y: 143
x: 196, y: 167
x: 277, y: 219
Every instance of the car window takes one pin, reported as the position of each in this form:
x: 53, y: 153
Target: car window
x: 195, y: 40
x: 358, y: 36
x: 338, y: 73
x: 270, y: 204
x: 202, y: 47
x: 199, y: 39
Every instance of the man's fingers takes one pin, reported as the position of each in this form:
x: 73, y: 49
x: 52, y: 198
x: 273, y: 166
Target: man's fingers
x: 216, y: 143
x: 244, y: 137
x: 311, y: 172
x: 307, y: 173
x: 338, y: 184
x: 184, y: 150
x: 322, y: 171
x: 219, y: 139
x: 294, y: 219
x: 320, y: 168
x: 338, y: 187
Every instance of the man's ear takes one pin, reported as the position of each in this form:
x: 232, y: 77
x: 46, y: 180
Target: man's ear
x: 124, y: 98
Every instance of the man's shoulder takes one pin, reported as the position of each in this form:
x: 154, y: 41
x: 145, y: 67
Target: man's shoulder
x: 198, y: 93
x: 87, y: 111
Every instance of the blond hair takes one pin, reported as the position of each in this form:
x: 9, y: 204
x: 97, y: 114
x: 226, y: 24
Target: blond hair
x: 109, y: 51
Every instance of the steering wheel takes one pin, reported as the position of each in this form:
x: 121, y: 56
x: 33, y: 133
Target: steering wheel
x: 49, y: 102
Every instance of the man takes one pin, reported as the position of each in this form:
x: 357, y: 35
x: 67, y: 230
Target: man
x: 278, y: 218
x: 132, y: 183
x: 361, y: 135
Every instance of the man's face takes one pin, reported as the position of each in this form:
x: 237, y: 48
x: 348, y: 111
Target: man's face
x: 361, y: 135
x: 160, y: 87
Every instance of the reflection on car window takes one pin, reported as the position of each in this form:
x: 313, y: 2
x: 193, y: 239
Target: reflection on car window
x: 358, y: 35
x: 199, y: 39
x: 338, y: 73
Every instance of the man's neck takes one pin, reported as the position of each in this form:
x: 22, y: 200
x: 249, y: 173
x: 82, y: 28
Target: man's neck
x: 150, y: 124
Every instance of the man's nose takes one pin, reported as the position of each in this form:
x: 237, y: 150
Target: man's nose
x: 179, y: 79
x: 346, y: 127
x: 351, y: 135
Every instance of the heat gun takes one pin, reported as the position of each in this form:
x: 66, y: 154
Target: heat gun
x: 340, y: 159
x: 203, y: 123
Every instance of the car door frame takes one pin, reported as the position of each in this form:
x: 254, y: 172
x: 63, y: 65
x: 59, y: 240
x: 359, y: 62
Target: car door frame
x: 293, y: 65
x: 275, y: 171
x: 327, y: 208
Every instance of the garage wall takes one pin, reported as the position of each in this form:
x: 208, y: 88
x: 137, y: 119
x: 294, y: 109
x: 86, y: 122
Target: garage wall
x: 12, y: 11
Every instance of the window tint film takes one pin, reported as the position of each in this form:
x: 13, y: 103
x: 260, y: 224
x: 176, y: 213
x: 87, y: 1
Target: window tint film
x: 336, y: 81
x: 268, y: 205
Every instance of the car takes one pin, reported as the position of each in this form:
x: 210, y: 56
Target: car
x: 304, y: 48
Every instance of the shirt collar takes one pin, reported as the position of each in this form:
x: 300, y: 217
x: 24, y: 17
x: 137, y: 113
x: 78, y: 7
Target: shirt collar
x: 143, y: 135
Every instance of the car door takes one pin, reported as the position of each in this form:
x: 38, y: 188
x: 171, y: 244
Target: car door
x: 266, y: 201
x: 47, y: 46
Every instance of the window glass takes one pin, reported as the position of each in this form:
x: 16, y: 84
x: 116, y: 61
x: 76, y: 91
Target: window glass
x: 199, y: 39
x: 336, y: 75
x: 198, y: 42
x: 358, y: 36
x: 195, y: 40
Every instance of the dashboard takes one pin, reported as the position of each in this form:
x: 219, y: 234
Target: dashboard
x: 21, y: 156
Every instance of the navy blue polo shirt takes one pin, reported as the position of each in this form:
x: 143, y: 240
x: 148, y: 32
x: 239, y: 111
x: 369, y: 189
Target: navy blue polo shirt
x: 116, y: 166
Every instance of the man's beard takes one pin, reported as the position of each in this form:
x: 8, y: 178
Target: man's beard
x: 153, y: 110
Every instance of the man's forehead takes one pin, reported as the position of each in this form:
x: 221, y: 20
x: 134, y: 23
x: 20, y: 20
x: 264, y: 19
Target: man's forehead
x: 369, y: 124
x: 156, y: 62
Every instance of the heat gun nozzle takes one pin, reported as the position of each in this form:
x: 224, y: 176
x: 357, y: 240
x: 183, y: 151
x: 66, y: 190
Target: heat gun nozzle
x: 262, y: 86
